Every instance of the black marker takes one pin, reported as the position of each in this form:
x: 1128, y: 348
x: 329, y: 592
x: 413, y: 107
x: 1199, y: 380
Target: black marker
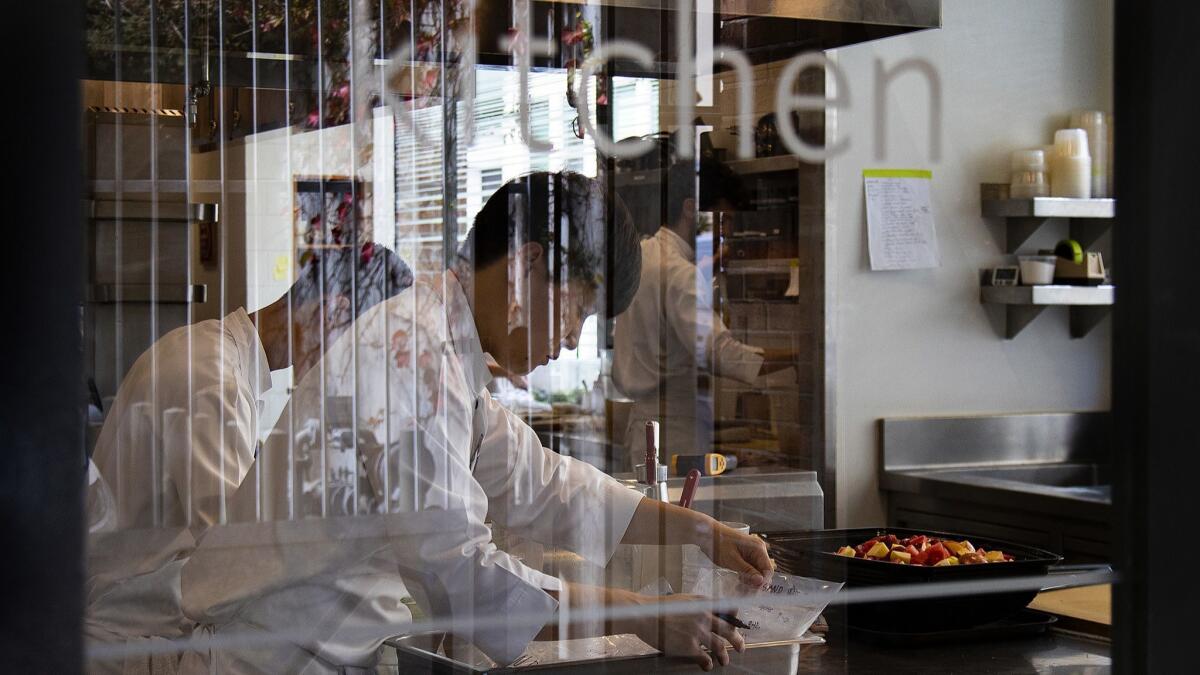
x: 732, y: 620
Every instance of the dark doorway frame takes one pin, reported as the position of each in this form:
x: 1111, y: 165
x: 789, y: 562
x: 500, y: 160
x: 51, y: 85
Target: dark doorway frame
x: 1156, y: 333
x: 41, y: 423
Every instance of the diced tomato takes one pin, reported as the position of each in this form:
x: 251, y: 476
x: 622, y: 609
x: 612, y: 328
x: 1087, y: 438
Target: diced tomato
x: 935, y: 554
x: 920, y: 549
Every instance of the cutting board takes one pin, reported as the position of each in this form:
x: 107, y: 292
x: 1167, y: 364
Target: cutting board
x: 1087, y: 609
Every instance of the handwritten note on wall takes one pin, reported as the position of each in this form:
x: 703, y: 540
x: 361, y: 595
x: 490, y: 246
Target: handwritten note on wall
x: 900, y: 232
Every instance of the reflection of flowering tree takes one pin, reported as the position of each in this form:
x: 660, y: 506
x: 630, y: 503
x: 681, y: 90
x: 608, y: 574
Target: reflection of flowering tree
x: 319, y: 30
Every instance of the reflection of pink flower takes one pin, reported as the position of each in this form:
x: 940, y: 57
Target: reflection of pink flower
x: 368, y: 252
x: 400, y: 351
x: 571, y: 36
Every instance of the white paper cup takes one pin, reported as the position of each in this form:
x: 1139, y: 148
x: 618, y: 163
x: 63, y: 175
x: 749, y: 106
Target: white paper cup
x: 740, y: 527
x: 1037, y: 270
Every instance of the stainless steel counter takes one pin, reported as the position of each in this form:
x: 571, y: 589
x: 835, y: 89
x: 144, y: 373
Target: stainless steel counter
x: 1079, y: 492
x: 1052, y: 652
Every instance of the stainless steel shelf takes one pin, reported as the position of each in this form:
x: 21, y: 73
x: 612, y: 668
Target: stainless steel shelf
x: 1089, y: 218
x: 764, y: 164
x: 762, y: 266
x: 162, y: 211
x: 1049, y: 295
x: 996, y: 203
x: 1087, y: 305
x: 173, y: 294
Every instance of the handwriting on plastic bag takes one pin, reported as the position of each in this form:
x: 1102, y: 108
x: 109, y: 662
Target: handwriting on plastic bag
x: 783, y: 608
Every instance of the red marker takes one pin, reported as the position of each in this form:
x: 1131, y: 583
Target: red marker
x: 689, y: 488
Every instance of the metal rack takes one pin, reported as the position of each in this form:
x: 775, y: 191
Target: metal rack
x: 1088, y: 220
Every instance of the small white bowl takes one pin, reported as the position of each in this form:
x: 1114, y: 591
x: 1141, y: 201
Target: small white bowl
x: 1037, y: 270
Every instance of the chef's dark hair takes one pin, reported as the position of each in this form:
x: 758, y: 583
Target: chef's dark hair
x: 524, y: 210
x: 717, y: 184
x: 369, y: 275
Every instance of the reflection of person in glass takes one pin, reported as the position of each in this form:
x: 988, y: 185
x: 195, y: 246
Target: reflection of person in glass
x: 531, y: 270
x: 670, y: 335
x: 182, y: 431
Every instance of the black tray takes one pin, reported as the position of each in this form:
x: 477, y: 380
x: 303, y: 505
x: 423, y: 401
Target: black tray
x: 1024, y: 623
x: 814, y: 554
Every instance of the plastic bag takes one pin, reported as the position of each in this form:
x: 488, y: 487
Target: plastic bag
x: 778, y: 610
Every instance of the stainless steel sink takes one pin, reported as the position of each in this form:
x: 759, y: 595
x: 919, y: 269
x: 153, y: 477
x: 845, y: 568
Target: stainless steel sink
x: 1074, y: 480
x: 1048, y: 475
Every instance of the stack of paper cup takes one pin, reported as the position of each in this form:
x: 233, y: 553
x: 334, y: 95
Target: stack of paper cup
x: 1071, y: 166
x: 1028, y: 175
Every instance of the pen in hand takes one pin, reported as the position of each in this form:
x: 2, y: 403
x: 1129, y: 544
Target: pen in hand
x: 732, y: 620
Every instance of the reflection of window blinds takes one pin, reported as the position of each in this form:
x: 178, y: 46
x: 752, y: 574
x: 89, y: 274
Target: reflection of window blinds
x: 496, y: 144
x: 489, y: 181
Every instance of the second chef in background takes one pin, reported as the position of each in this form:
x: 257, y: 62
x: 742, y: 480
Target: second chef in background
x: 671, y: 334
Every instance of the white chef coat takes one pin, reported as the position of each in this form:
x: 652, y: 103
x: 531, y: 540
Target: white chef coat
x: 175, y: 445
x: 416, y: 370
x: 668, y: 336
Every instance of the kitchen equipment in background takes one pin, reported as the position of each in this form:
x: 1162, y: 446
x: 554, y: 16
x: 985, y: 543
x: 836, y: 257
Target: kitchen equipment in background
x: 653, y: 472
x: 1028, y: 175
x: 1037, y: 270
x: 814, y: 554
x: 708, y: 464
x: 734, y: 525
x: 1088, y: 272
x: 1005, y: 275
x: 1071, y: 172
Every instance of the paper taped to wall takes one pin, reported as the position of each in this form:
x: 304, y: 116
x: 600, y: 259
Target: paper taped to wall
x: 900, y: 229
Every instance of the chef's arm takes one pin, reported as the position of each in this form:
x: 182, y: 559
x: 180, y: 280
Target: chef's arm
x: 776, y: 359
x: 664, y: 524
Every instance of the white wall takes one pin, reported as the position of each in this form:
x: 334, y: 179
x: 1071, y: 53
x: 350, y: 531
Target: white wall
x: 919, y: 343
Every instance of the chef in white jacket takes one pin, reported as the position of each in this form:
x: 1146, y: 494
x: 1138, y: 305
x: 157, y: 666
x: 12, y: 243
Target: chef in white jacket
x: 181, y: 435
x: 320, y: 595
x: 671, y: 335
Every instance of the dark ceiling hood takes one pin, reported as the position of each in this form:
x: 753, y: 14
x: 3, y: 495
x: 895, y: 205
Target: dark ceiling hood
x: 764, y: 30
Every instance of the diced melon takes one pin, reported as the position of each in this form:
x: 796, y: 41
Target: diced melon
x: 946, y: 562
x: 847, y: 551
x: 879, y: 550
x: 959, y: 547
x: 994, y: 556
x: 900, y: 557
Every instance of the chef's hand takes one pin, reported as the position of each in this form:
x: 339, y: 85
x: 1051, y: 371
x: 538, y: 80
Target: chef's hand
x: 742, y: 553
x: 686, y: 633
